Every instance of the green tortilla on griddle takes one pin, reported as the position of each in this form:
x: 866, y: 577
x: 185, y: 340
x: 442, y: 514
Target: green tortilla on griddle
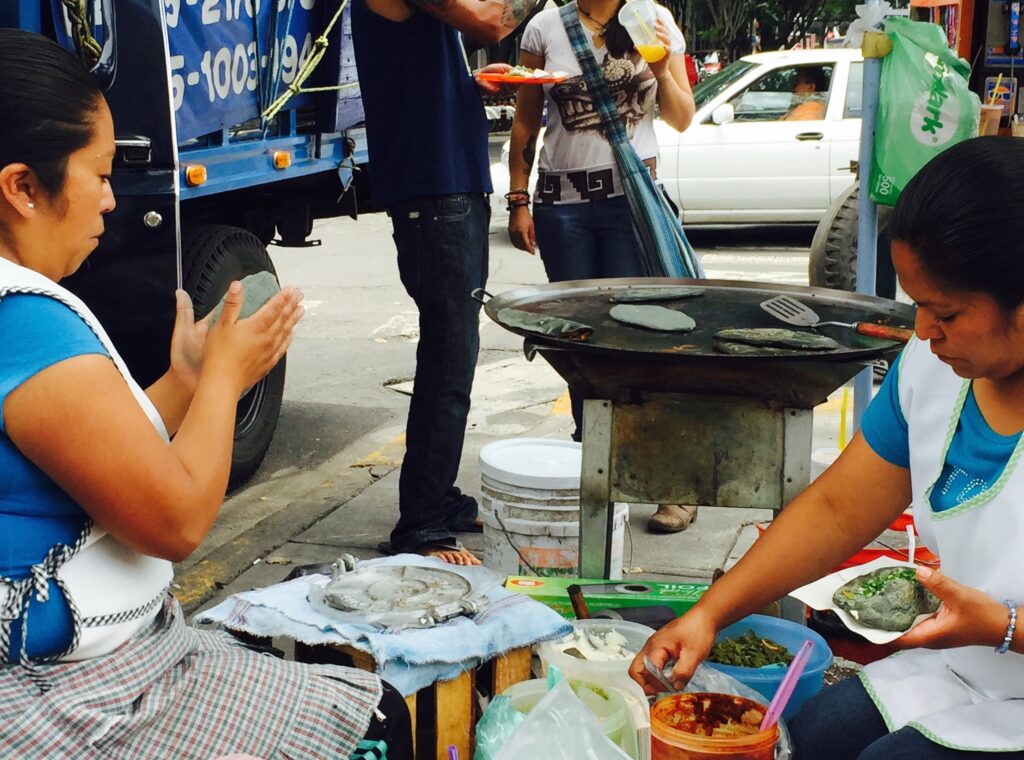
x: 744, y: 349
x: 652, y: 318
x: 778, y: 337
x: 645, y: 295
x: 544, y: 324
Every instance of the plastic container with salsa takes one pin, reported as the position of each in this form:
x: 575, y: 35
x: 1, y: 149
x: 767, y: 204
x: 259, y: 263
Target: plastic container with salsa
x: 706, y: 726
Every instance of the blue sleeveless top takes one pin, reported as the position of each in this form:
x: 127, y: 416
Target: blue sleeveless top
x: 425, y: 124
x: 35, y: 514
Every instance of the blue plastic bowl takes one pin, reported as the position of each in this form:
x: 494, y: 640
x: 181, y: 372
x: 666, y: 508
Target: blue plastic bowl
x: 766, y: 680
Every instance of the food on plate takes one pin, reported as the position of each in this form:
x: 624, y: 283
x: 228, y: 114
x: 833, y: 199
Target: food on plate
x: 749, y: 651
x: 709, y: 714
x: 889, y: 598
x: 645, y: 295
x: 597, y: 645
x: 527, y: 73
x: 544, y: 324
x: 778, y: 337
x: 652, y: 318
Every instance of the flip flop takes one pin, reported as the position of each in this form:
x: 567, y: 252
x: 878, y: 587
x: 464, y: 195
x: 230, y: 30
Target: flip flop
x: 426, y: 549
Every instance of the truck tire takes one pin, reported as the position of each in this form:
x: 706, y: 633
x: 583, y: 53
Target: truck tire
x: 833, y: 259
x: 214, y: 255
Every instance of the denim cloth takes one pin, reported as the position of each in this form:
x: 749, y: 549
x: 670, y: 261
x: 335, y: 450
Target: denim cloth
x: 442, y: 258
x: 842, y: 723
x: 580, y: 241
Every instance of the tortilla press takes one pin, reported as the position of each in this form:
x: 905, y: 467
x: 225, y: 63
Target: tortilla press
x: 394, y: 596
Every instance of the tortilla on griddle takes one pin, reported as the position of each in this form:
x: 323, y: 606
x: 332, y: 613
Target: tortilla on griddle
x: 889, y: 598
x: 745, y: 349
x: 645, y: 295
x: 778, y: 337
x: 652, y: 318
x: 544, y: 324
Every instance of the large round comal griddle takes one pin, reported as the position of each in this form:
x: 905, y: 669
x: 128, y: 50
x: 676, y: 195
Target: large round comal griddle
x: 619, y: 361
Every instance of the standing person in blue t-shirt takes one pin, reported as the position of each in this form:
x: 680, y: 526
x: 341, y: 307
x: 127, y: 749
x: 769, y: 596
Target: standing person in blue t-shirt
x: 944, y: 435
x: 429, y: 168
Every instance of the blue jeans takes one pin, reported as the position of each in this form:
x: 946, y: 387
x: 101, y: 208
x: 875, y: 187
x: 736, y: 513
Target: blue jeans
x: 442, y: 258
x: 842, y: 723
x: 581, y: 241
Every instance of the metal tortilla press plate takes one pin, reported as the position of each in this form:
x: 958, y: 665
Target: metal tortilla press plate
x: 398, y: 596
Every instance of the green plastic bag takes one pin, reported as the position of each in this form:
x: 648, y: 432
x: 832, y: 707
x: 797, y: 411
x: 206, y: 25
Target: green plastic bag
x: 924, y: 106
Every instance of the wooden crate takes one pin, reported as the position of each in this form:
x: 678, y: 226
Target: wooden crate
x: 445, y: 713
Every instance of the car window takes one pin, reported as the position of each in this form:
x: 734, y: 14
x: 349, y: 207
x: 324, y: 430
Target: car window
x: 715, y: 84
x: 791, y: 92
x: 854, y: 92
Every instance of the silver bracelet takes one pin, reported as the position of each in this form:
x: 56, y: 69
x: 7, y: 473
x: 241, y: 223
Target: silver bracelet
x: 1010, y: 629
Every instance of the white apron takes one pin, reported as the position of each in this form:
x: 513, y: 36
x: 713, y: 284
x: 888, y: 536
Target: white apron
x: 968, y: 698
x: 113, y: 591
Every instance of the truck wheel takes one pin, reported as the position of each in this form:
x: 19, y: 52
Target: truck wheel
x: 214, y: 255
x: 833, y: 259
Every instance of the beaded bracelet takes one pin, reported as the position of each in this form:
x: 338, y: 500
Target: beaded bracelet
x: 1010, y: 629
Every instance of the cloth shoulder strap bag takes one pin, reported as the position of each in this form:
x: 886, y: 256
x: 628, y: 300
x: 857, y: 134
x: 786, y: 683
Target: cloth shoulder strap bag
x: 666, y: 251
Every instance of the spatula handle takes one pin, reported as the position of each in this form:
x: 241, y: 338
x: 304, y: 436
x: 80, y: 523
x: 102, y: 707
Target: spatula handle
x: 885, y: 332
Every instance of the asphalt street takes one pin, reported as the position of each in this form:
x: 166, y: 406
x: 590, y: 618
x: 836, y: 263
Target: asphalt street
x: 342, y: 420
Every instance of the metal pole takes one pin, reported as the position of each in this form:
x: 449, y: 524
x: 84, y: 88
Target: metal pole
x: 867, y: 211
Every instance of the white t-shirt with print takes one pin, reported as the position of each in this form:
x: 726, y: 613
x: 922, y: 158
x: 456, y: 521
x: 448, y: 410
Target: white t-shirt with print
x: 574, y: 138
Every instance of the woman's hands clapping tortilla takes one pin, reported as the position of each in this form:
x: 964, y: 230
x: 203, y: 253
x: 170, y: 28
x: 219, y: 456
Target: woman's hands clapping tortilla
x: 188, y: 342
x: 687, y: 640
x: 245, y: 350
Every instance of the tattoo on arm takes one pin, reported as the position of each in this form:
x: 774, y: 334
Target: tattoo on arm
x: 529, y: 152
x: 515, y: 12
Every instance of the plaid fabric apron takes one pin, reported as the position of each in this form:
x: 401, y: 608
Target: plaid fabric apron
x: 178, y: 693
x: 665, y: 249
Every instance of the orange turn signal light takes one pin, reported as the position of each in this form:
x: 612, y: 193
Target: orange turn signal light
x: 282, y: 159
x: 195, y: 175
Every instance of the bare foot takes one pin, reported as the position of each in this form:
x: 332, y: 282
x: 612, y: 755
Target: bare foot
x: 451, y: 556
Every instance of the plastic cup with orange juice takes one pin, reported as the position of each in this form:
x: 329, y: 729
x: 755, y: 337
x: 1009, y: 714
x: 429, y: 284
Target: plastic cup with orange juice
x: 640, y: 17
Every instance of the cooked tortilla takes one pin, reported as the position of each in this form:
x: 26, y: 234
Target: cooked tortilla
x: 645, y: 295
x: 778, y: 337
x: 652, y: 318
x: 889, y: 599
x: 544, y: 324
x: 744, y: 349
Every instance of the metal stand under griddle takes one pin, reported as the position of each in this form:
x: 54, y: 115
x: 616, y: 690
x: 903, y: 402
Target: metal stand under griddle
x: 677, y: 448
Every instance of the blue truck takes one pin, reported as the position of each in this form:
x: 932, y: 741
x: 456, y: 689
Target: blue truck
x: 237, y: 124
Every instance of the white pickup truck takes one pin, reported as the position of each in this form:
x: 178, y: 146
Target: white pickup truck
x: 749, y: 157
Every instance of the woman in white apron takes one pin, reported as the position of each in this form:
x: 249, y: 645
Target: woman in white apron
x: 96, y: 500
x: 942, y: 434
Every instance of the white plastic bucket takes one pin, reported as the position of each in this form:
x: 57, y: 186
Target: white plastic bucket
x: 530, y: 508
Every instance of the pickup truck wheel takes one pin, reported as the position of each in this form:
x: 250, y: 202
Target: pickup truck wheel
x: 214, y: 255
x: 833, y: 259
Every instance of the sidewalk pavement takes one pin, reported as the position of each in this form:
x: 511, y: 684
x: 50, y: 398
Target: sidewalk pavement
x: 512, y: 398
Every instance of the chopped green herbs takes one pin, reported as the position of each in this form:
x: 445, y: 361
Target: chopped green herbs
x: 749, y: 651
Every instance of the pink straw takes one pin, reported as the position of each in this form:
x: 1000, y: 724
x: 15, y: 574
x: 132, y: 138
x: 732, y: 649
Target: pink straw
x: 785, y: 690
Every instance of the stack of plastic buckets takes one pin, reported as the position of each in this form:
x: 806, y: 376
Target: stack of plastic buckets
x: 530, y: 508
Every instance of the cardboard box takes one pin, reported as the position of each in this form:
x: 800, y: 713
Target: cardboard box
x: 603, y: 594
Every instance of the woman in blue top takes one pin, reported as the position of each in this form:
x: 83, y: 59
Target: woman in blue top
x: 96, y: 500
x: 943, y: 434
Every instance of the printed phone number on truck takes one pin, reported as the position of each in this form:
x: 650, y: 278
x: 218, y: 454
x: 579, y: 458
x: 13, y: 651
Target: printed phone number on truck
x: 214, y: 11
x: 234, y: 70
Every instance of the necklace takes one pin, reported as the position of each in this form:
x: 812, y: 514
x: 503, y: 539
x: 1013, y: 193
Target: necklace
x: 602, y: 29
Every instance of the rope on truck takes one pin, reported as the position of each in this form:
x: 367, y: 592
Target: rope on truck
x: 295, y: 88
x: 88, y: 48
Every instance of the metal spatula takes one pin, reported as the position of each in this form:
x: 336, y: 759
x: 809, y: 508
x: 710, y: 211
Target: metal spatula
x: 792, y: 312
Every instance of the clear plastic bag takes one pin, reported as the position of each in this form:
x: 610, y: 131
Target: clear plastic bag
x: 498, y: 723
x: 708, y: 679
x: 560, y: 727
